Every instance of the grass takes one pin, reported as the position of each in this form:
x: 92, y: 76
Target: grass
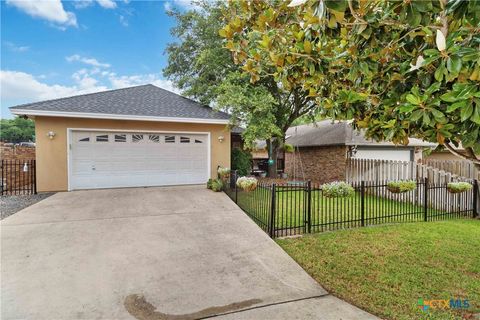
x: 386, y: 269
x: 330, y: 213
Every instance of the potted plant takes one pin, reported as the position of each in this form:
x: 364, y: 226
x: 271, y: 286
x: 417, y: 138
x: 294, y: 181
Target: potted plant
x: 217, y: 185
x: 337, y: 189
x: 223, y: 172
x: 209, y: 183
x: 247, y: 183
x: 458, y: 187
x: 401, y: 186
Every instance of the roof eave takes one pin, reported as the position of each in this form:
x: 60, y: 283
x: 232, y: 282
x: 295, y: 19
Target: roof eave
x: 64, y: 114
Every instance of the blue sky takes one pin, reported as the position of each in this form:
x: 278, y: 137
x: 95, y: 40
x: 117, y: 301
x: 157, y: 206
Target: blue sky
x: 51, y: 49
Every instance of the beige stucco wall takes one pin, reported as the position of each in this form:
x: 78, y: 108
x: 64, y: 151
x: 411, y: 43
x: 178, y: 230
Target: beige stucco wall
x: 52, y: 173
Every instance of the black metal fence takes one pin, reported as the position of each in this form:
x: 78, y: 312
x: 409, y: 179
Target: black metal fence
x: 283, y: 209
x: 18, y: 177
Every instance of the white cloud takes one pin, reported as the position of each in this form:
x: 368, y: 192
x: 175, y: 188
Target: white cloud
x: 136, y: 80
x: 107, y: 4
x: 167, y: 6
x: 123, y: 21
x: 51, y: 11
x: 187, y: 4
x: 15, y: 48
x: 24, y: 86
x: 89, y: 61
x: 81, y: 4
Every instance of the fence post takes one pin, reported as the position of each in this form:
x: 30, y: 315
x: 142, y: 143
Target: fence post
x: 309, y: 206
x: 425, y: 199
x: 271, y: 227
x: 35, y: 176
x: 362, y: 202
x: 475, y: 197
x: 235, y: 184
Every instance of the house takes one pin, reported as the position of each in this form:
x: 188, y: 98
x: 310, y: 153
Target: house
x: 321, y: 150
x: 445, y: 154
x: 132, y: 137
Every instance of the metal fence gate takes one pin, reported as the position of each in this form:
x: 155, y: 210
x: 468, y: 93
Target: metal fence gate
x: 18, y: 177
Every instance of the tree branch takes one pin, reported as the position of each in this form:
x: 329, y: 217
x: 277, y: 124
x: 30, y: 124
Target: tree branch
x: 458, y: 154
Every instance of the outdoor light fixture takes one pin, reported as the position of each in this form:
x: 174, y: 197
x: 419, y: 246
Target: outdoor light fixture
x: 221, y: 138
x: 51, y: 134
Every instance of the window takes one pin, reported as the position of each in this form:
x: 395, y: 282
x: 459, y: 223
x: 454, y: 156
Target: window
x: 120, y: 138
x: 102, y: 138
x: 154, y: 138
x: 184, y: 140
x: 84, y: 139
x: 198, y: 141
x: 137, y: 137
x: 169, y: 139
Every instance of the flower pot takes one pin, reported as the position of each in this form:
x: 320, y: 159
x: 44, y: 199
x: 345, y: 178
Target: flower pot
x: 451, y: 190
x: 396, y: 190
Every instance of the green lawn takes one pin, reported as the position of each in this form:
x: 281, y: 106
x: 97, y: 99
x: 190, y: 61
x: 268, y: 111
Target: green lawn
x: 328, y: 213
x: 386, y: 269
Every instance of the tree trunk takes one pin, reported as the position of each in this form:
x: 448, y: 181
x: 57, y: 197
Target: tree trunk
x: 273, y: 148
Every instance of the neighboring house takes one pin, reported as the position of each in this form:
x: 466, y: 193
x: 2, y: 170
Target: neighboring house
x: 444, y: 154
x: 321, y: 150
x: 132, y: 137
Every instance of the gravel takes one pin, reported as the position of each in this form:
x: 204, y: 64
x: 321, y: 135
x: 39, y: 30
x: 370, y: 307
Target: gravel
x: 12, y: 204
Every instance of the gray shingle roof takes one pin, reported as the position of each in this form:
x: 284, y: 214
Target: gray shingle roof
x: 328, y: 133
x: 144, y: 100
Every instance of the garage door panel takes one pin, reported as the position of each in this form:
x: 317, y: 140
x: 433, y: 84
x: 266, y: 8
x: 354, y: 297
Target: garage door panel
x: 136, y: 159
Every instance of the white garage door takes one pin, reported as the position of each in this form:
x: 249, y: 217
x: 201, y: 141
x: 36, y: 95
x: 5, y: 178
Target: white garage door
x: 127, y: 159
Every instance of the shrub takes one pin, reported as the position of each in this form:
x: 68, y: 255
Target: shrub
x: 209, y: 183
x: 288, y: 148
x: 217, y: 185
x: 337, y: 189
x: 401, y: 186
x: 223, y: 172
x: 247, y: 183
x: 241, y: 161
x: 458, y: 187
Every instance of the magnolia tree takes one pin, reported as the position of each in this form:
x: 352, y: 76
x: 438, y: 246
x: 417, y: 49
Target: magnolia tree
x: 399, y: 69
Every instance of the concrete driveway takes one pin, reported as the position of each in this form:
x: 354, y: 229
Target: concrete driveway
x: 151, y: 254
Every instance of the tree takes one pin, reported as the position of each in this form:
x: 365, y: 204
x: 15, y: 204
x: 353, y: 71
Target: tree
x: 197, y: 62
x: 17, y: 130
x: 399, y: 69
x: 201, y: 64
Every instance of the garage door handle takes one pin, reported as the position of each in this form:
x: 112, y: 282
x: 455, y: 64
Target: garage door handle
x: 93, y: 167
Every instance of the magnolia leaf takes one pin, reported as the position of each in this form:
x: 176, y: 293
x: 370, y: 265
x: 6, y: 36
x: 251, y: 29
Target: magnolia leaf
x: 413, y: 99
x: 456, y: 105
x: 466, y: 112
x: 476, y: 115
x: 449, y: 97
x: 416, y: 115
x: 337, y: 5
x: 296, y: 3
x: 307, y: 46
x: 454, y: 64
x: 439, y: 72
x: 440, y: 41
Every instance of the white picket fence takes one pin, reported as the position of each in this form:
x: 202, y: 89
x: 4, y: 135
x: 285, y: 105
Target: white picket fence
x: 370, y: 170
x: 384, y: 170
x: 462, y: 168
